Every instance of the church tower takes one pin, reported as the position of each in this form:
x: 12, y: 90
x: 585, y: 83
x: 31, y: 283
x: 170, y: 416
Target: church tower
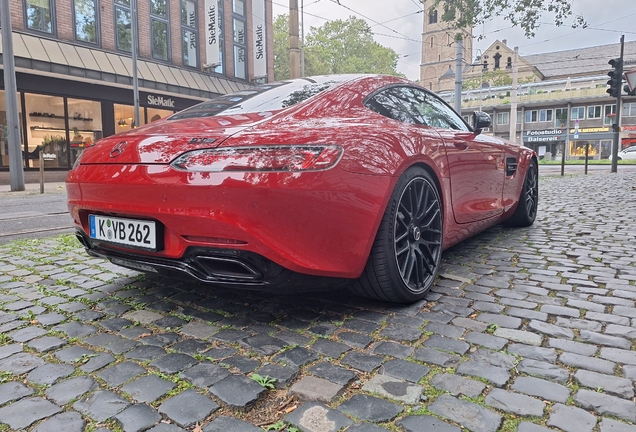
x: 437, y: 70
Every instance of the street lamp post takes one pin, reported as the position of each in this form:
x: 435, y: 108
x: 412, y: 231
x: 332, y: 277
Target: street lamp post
x: 135, y: 38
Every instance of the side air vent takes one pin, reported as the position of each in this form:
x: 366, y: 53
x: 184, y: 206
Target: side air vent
x: 511, y: 166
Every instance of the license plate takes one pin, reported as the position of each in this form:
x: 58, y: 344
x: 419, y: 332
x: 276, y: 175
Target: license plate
x: 129, y: 232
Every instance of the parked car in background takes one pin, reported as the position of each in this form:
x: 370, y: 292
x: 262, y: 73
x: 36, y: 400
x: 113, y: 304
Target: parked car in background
x: 628, y: 153
x: 350, y: 180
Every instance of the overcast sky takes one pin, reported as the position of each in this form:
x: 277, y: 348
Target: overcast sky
x: 398, y: 24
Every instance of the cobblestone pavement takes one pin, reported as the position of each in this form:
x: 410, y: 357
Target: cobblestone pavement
x: 526, y: 330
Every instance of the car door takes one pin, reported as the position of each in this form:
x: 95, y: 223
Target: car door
x: 475, y: 162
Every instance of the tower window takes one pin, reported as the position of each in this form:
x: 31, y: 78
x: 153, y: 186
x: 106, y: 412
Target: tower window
x: 509, y: 63
x: 432, y: 17
x: 497, y: 58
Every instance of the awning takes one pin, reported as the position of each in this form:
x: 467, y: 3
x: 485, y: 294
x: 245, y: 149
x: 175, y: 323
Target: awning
x: 50, y: 57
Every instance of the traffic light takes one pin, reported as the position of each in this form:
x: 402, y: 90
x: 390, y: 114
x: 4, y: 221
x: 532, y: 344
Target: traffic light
x: 616, y: 77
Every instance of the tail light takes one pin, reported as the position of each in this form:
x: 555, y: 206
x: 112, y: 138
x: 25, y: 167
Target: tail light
x: 276, y: 158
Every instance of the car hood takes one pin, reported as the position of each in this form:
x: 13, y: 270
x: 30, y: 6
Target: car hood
x: 160, y: 142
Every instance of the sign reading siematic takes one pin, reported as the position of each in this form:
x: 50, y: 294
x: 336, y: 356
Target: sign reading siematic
x: 170, y: 103
x: 212, y: 32
x: 160, y: 101
x: 258, y: 38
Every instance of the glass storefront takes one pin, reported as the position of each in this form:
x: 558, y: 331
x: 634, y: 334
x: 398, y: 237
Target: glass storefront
x: 59, y: 129
x: 124, y: 117
x: 4, y: 142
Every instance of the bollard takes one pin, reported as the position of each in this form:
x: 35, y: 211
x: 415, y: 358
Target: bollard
x: 41, y: 171
x: 587, y: 152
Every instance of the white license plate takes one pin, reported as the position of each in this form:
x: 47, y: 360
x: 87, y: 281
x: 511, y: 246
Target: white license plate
x: 130, y: 232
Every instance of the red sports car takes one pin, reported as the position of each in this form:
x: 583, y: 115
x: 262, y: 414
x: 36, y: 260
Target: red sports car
x: 357, y: 180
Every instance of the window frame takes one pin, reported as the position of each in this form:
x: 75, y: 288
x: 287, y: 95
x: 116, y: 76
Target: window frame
x: 161, y: 20
x: 193, y: 29
x: 504, y: 115
x: 53, y: 32
x: 97, y: 24
x: 126, y: 8
x: 559, y: 119
x: 595, y: 115
x: 607, y: 121
x: 239, y: 46
x: 632, y: 109
x: 577, y: 110
x: 534, y: 116
x: 546, y: 115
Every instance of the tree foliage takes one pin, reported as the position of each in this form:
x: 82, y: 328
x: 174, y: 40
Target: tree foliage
x: 525, y: 14
x: 334, y: 48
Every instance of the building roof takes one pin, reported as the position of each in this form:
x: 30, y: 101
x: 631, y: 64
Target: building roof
x: 582, y: 61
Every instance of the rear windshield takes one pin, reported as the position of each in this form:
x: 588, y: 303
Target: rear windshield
x: 266, y: 97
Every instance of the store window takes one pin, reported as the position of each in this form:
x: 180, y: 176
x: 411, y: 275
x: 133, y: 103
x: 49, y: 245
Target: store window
x: 159, y: 29
x: 609, y: 114
x: 39, y: 15
x: 594, y: 112
x: 629, y: 109
x: 240, y: 42
x: 154, y: 114
x: 560, y: 117
x: 85, y: 125
x: 578, y: 148
x: 519, y: 117
x: 532, y: 116
x: 86, y: 21
x: 545, y: 115
x: 123, y: 23
x: 189, y: 33
x: 578, y: 113
x: 503, y: 118
x: 4, y: 142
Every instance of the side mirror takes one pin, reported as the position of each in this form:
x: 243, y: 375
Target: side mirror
x: 481, y: 120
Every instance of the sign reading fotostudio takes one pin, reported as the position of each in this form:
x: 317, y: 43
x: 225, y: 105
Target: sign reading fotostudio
x: 258, y: 38
x: 212, y: 32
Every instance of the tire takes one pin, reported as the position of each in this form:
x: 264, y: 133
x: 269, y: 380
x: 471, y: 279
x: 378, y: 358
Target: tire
x: 407, y: 250
x: 526, y: 211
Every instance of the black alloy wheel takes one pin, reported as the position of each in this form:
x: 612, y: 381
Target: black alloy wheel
x: 407, y: 251
x: 526, y: 211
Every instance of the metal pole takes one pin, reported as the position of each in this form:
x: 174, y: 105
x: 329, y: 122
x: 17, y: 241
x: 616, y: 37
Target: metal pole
x: 294, y: 50
x: 513, y: 96
x: 617, y: 122
x: 459, y: 53
x: 16, y: 169
x: 302, y: 38
x: 135, y: 39
x: 42, y: 170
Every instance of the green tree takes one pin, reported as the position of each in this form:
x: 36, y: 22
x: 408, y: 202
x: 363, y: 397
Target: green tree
x: 525, y: 14
x: 336, y: 47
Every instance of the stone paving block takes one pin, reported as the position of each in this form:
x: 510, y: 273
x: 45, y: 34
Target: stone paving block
x: 284, y: 375
x: 161, y: 339
x: 314, y: 416
x: 589, y: 363
x: 496, y: 375
x: 366, y: 427
x: 548, y: 355
x: 470, y: 324
x: 520, y: 336
x: 609, y: 425
x: 401, y: 333
x: 145, y: 353
x: 188, y: 408
x: 395, y: 389
x: 425, y: 423
x: 111, y: 342
x: 137, y: 418
x: 514, y: 402
x: 242, y: 364
x: 116, y: 324
x: 364, y: 407
x: 392, y: 349
x: 23, y: 413
x: 143, y: 317
x: 8, y: 350
x: 571, y: 419
x: 95, y: 363
x: 486, y: 340
x: 550, y: 329
x: 263, y: 344
x: 602, y: 339
x: 611, y: 384
x: 49, y: 373
x: 362, y: 362
x: 335, y: 374
x: 541, y: 388
x: 405, y: 370
x: 148, y: 388
x: 621, y: 331
x: 174, y: 362
x: 472, y: 416
x: 560, y: 310
x: 205, y: 374
x: 70, y: 421
x: 544, y: 370
x: 573, y: 347
x: 230, y: 335
x: 120, y: 373
x: 355, y: 340
x: 500, y: 320
x: 447, y: 344
x: 50, y: 318
x: 457, y: 385
x: 46, y: 343
x: 607, y: 318
x: 298, y: 356
x: 12, y: 391
x: 229, y: 424
x: 237, y: 391
x: 26, y: 334
x: 329, y: 348
x: 531, y: 427
x: 433, y: 356
x: 20, y: 363
x: 75, y: 329
x: 619, y: 355
x: 606, y: 404
x: 65, y: 391
x: 527, y: 314
x: 451, y: 331
x: 317, y: 389
x: 101, y: 405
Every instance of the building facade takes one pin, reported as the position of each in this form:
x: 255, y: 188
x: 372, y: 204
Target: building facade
x: 74, y: 68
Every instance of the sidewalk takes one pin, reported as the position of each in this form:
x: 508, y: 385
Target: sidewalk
x: 53, y: 182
